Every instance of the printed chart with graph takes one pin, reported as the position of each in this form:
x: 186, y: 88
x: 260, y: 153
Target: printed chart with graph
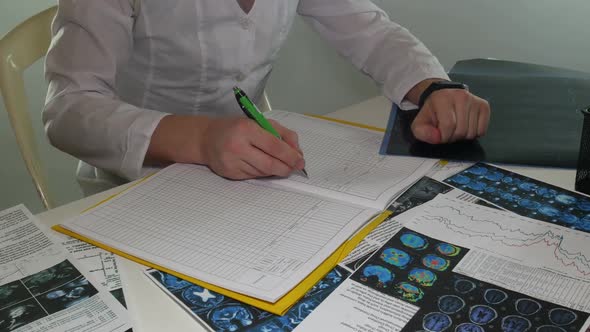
x: 547, y: 261
x: 536, y: 243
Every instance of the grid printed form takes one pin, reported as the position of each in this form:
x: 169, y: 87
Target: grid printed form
x: 223, y: 227
x: 346, y: 159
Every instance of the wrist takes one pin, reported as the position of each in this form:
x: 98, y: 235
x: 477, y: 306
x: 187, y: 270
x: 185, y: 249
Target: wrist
x: 417, y: 90
x: 178, y: 139
x: 440, y: 85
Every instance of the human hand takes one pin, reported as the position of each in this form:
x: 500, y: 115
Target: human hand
x: 237, y: 148
x: 449, y: 115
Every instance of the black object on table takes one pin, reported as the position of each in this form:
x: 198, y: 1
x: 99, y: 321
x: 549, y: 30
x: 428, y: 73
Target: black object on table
x: 583, y: 172
x: 535, y: 118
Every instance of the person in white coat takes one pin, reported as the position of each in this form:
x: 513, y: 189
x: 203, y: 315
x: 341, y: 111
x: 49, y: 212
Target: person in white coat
x: 137, y: 83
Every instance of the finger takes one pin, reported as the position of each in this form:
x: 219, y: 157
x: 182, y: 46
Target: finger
x: 473, y: 114
x: 250, y: 171
x: 266, y: 164
x: 276, y: 148
x: 462, y: 105
x: 424, y: 128
x: 235, y: 173
x: 484, y: 118
x: 445, y: 114
x: 289, y: 136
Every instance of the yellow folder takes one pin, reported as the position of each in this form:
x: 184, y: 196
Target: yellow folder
x: 284, y: 303
x: 281, y: 306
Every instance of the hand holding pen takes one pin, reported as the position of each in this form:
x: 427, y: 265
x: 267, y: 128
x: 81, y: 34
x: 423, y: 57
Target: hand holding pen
x: 237, y: 148
x: 233, y: 147
x: 251, y: 111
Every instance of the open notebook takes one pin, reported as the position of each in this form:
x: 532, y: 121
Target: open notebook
x: 258, y: 238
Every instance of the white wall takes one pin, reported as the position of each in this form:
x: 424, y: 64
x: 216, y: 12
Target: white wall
x: 311, y: 78
x: 550, y: 32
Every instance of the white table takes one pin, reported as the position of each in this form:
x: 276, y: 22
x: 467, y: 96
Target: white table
x: 152, y: 310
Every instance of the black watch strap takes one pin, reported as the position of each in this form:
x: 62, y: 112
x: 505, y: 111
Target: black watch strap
x: 435, y: 86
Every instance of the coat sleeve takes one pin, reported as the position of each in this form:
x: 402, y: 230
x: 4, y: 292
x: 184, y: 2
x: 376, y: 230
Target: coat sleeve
x: 380, y: 48
x: 83, y: 115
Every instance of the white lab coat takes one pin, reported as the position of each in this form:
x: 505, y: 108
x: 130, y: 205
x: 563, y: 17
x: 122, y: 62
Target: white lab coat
x: 115, y: 70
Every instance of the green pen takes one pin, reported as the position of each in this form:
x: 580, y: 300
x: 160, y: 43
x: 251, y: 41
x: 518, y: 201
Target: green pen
x: 253, y: 113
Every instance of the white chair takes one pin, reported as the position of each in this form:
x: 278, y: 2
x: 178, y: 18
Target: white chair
x: 19, y: 49
x: 265, y: 103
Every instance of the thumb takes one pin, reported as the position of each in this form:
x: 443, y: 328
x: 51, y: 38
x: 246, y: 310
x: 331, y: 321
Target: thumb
x: 426, y: 131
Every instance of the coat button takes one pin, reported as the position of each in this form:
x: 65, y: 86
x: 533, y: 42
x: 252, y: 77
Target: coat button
x: 246, y: 23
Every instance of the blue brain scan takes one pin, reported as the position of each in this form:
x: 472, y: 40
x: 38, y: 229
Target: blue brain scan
x: 584, y: 223
x: 383, y: 275
x: 231, y: 317
x: 173, y: 283
x: 565, y: 199
x: 436, y: 322
x: 482, y: 314
x: 333, y: 278
x: 469, y: 327
x: 460, y: 179
x: 447, y: 249
x: 510, y: 197
x: 422, y: 277
x: 529, y: 204
x: 562, y: 317
x: 546, y: 193
x: 549, y: 211
x: 495, y: 296
x: 527, y: 186
x: 464, y: 286
x: 414, y: 241
x: 409, y: 292
x: 450, y: 304
x: 435, y: 262
x: 479, y: 186
x: 584, y: 206
x: 527, y: 307
x: 199, y: 298
x: 510, y: 180
x: 568, y: 218
x: 514, y: 323
x: 396, y: 257
x: 477, y: 170
x: 549, y: 328
x: 494, y: 176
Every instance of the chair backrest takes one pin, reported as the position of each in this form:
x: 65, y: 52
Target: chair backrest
x: 19, y: 49
x: 265, y: 103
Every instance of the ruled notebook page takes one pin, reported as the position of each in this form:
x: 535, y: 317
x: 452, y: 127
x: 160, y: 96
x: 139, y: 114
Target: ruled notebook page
x: 343, y: 162
x: 243, y: 236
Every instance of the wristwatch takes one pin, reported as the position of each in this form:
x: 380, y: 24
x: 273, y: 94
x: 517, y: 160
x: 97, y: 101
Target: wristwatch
x: 439, y: 86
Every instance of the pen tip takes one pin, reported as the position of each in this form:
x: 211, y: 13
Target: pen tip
x: 305, y: 172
